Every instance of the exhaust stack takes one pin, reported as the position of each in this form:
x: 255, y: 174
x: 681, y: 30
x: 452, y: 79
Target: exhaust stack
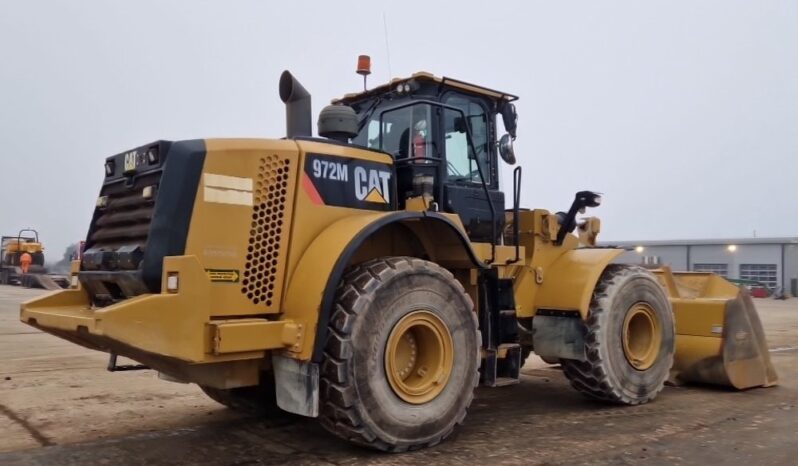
x: 298, y: 118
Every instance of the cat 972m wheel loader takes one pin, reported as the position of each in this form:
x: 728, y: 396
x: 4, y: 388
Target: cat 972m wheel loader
x: 371, y: 276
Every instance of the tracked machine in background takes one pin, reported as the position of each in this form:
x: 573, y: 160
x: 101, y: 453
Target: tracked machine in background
x: 372, y: 277
x: 22, y: 262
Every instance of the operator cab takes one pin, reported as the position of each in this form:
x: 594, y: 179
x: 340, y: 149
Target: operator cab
x: 442, y: 134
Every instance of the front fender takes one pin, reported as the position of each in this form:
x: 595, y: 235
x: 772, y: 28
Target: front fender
x: 568, y: 283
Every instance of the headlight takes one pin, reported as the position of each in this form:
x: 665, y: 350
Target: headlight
x: 152, y: 155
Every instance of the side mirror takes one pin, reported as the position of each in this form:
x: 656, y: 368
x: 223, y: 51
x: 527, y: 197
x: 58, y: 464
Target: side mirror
x: 506, y: 149
x: 510, y: 118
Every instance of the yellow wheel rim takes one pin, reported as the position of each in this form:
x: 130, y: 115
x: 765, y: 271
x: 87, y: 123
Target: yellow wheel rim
x: 419, y: 357
x: 642, y: 336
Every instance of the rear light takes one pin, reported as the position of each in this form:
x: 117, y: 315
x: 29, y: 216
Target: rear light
x: 172, y: 282
x: 102, y: 202
x: 73, y: 281
x: 146, y: 193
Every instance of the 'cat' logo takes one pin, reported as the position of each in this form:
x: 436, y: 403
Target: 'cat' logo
x: 372, y: 185
x: 348, y: 182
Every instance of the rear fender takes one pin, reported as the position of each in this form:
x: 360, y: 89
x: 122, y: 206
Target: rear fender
x: 312, y: 286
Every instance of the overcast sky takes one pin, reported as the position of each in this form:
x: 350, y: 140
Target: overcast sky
x: 683, y: 113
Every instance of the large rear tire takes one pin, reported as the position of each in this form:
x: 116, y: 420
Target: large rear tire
x: 630, y: 339
x: 402, y: 357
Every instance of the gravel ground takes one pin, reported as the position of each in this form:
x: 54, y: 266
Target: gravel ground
x: 59, y: 406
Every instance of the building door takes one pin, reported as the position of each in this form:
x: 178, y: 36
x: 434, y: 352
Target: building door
x: 718, y: 269
x: 764, y: 273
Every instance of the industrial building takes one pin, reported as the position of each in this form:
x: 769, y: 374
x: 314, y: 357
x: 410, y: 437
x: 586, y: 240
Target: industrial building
x: 771, y: 261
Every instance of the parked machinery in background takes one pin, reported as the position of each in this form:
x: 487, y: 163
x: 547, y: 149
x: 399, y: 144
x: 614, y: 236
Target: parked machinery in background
x: 22, y: 262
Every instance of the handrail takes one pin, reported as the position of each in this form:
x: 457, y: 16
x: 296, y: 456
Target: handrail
x: 516, y: 203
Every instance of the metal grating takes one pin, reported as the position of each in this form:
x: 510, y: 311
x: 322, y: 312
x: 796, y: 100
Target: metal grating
x: 268, y: 217
x: 125, y: 219
x: 718, y: 269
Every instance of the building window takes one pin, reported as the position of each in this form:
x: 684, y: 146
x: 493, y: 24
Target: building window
x: 651, y: 260
x: 764, y: 273
x: 718, y: 269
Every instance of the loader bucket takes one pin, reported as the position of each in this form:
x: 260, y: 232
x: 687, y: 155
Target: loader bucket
x: 719, y: 337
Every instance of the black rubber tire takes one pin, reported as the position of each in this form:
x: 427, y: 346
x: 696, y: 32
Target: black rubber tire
x: 607, y: 375
x: 357, y: 401
x: 258, y: 400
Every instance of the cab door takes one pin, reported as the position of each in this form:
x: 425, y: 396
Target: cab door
x: 466, y: 167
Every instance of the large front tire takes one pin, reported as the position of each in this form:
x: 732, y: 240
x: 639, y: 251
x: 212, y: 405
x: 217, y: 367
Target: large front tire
x: 630, y: 339
x: 402, y: 357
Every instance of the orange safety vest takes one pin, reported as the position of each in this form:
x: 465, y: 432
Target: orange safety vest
x: 24, y: 261
x: 419, y: 145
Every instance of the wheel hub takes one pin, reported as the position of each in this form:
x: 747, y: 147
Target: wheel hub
x: 419, y: 357
x: 642, y: 336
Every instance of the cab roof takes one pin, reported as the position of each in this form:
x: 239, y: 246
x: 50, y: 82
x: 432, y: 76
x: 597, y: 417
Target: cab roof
x: 428, y: 77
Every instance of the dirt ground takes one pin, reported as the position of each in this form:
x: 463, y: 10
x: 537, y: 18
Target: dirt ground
x: 59, y: 406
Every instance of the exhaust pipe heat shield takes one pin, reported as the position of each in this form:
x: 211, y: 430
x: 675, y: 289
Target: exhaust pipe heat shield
x: 298, y: 118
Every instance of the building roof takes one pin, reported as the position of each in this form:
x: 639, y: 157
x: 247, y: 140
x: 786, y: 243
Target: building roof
x: 707, y: 242
x: 425, y: 76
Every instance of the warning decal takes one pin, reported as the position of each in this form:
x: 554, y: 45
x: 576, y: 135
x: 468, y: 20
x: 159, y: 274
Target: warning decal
x: 223, y: 275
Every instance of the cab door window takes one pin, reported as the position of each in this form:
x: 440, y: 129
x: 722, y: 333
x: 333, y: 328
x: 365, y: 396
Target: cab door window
x: 462, y: 160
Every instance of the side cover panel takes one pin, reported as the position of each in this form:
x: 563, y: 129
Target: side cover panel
x: 240, y: 224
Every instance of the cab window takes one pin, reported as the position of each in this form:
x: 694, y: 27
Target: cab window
x: 461, y: 160
x: 403, y: 133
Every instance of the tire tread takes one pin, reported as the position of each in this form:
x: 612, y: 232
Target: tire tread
x: 339, y: 414
x: 590, y: 377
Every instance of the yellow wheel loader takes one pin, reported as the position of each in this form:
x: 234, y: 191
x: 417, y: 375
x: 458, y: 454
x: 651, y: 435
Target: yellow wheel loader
x: 13, y: 270
x: 371, y: 276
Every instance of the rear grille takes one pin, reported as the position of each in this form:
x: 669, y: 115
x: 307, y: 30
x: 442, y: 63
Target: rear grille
x: 124, y: 221
x: 264, y: 257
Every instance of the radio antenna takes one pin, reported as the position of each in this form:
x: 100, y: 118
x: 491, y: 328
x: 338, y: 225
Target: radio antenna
x: 387, y: 47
